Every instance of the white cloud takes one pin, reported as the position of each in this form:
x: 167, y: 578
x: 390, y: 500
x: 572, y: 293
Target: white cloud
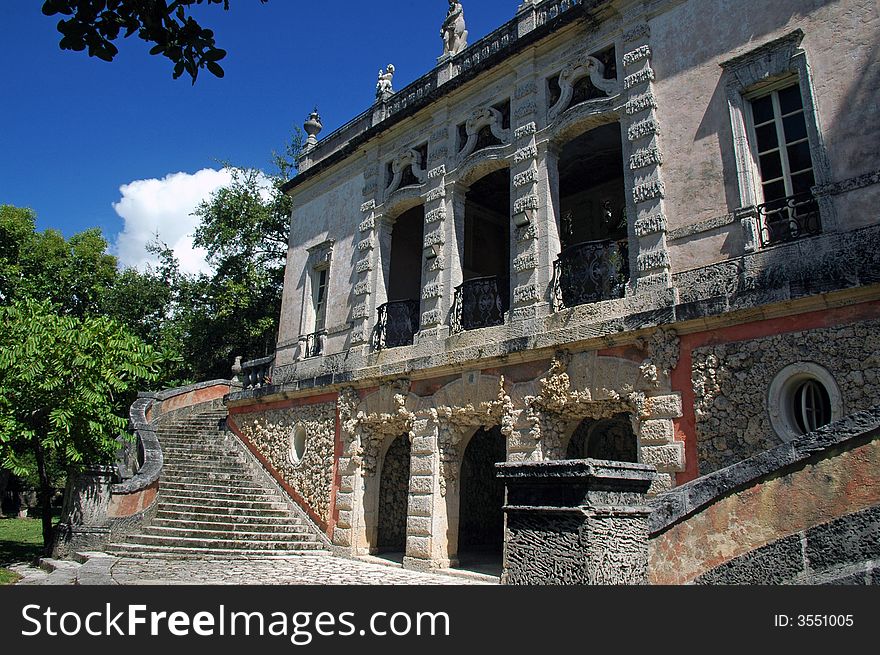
x: 165, y: 207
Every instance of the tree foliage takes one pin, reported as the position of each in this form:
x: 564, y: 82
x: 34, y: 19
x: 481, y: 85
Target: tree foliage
x: 65, y: 385
x: 94, y: 25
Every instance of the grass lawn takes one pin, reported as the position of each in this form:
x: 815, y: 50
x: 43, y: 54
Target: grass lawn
x: 7, y: 576
x: 21, y: 540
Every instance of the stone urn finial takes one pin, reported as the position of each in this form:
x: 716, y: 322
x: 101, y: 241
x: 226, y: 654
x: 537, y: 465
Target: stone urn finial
x: 236, y: 368
x: 313, y: 127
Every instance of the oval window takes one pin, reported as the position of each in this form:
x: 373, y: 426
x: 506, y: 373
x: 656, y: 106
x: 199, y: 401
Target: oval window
x: 298, y: 440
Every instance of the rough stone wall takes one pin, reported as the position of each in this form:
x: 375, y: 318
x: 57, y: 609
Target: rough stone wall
x: 767, y: 510
x: 731, y: 383
x: 843, y: 551
x: 312, y: 476
x: 393, y: 495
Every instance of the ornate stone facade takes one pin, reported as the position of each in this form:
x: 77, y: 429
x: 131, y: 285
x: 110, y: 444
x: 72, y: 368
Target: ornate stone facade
x: 665, y: 346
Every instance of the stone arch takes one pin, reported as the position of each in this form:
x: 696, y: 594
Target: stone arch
x: 579, y: 120
x: 608, y: 438
x: 588, y: 386
x: 369, y: 427
x: 479, y: 165
x: 401, y: 201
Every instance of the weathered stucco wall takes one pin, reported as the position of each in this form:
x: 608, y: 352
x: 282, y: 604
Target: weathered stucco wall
x: 731, y: 383
x: 270, y: 430
x: 781, y: 504
x: 699, y: 167
x: 330, y: 212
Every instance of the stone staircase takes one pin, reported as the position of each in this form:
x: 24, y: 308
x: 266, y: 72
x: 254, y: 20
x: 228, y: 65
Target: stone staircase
x: 211, y: 505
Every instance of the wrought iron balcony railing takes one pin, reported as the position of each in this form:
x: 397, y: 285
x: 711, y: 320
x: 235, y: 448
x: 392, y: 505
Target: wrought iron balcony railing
x: 312, y: 345
x: 480, y: 302
x: 590, y: 271
x: 398, y: 324
x: 788, y: 219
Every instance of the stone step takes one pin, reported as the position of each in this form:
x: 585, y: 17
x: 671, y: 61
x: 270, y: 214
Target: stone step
x: 293, y: 533
x: 200, y: 489
x: 242, y: 524
x: 195, y: 513
x: 223, y: 544
x: 195, y: 468
x: 207, y: 503
x: 224, y: 499
x: 143, y: 551
x: 206, y: 477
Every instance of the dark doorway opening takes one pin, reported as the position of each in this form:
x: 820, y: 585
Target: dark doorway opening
x: 481, y: 515
x: 393, y: 497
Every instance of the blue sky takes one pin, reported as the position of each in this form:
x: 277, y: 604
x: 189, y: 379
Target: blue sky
x: 78, y: 135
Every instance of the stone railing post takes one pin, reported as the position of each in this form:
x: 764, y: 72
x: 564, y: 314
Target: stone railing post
x: 576, y: 522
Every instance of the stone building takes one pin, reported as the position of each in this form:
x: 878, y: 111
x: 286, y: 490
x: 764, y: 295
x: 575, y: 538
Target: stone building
x: 636, y: 230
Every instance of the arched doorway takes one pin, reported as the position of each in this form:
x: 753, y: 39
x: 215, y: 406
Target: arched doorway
x: 393, y: 497
x: 481, y: 500
x: 611, y: 438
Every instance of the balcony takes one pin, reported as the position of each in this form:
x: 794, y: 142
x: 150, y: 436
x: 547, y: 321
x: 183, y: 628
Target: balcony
x: 590, y: 271
x: 788, y: 219
x: 312, y: 345
x: 398, y: 324
x: 480, y: 302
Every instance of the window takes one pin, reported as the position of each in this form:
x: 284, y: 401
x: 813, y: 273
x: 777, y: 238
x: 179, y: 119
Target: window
x: 298, y: 438
x: 803, y: 397
x: 785, y: 165
x: 778, y: 146
x: 314, y: 308
x: 320, y: 299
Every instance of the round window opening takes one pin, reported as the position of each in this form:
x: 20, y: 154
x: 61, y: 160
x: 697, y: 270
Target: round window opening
x: 298, y: 439
x: 803, y: 397
x: 811, y: 406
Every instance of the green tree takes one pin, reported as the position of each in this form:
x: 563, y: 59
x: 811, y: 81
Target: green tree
x: 73, y: 273
x: 95, y: 24
x: 244, y: 226
x: 65, y: 387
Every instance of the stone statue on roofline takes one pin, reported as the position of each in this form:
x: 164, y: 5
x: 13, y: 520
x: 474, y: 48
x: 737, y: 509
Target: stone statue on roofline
x: 383, y: 86
x: 454, y: 32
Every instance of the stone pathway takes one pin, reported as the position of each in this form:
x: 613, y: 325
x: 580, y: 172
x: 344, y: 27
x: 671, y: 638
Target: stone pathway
x: 103, y: 569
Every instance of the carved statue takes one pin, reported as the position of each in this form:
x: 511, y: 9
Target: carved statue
x: 383, y: 86
x: 453, y: 32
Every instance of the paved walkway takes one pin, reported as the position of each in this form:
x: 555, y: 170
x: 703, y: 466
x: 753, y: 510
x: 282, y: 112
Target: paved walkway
x: 103, y: 569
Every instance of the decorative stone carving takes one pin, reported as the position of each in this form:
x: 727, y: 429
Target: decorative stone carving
x: 664, y: 349
x: 642, y: 129
x: 454, y: 32
x: 526, y: 130
x: 483, y: 117
x: 455, y: 421
x: 313, y: 127
x: 408, y: 159
x: 383, y: 86
x: 641, y: 77
x: 575, y: 71
x: 634, y: 56
x: 528, y: 177
x: 640, y: 103
x: 529, y: 152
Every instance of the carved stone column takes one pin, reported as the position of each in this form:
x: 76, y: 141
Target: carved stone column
x: 425, y: 526
x: 643, y: 158
x: 576, y: 522
x: 529, y: 207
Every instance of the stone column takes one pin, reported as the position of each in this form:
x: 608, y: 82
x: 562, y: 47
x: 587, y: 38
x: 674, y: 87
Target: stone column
x: 643, y: 158
x: 424, y: 547
x: 576, y: 522
x: 528, y: 212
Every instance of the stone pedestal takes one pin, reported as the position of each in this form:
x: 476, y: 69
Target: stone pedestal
x: 576, y: 522
x: 83, y: 524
